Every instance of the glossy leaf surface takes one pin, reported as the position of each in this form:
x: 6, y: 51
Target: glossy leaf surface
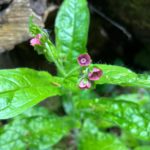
x: 23, y: 88
x: 122, y: 76
x: 71, y: 28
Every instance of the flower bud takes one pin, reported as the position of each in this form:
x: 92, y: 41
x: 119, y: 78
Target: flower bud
x: 36, y: 40
x: 95, y: 74
x: 84, y: 84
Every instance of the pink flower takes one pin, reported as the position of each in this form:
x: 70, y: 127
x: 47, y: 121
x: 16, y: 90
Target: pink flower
x: 36, y: 40
x: 95, y: 74
x: 84, y: 59
x: 84, y: 84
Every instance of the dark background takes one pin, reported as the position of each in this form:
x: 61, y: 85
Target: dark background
x: 119, y: 34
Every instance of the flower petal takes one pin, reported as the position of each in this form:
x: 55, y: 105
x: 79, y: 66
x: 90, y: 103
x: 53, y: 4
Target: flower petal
x: 84, y: 60
x: 95, y: 74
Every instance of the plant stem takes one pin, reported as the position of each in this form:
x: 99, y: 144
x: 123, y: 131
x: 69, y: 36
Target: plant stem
x: 72, y: 71
x: 50, y: 56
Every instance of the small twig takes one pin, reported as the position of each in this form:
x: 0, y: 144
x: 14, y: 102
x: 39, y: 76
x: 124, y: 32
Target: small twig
x: 115, y: 24
x: 56, y: 84
x: 50, y: 9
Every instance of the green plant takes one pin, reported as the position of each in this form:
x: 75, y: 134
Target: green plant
x: 87, y: 115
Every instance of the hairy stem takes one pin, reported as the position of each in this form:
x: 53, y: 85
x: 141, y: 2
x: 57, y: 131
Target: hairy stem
x: 50, y: 56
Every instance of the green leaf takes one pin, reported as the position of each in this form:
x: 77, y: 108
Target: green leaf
x: 71, y: 28
x: 23, y: 88
x: 142, y: 148
x: 139, y: 98
x: 121, y: 76
x: 36, y: 129
x: 93, y: 139
x: 127, y: 115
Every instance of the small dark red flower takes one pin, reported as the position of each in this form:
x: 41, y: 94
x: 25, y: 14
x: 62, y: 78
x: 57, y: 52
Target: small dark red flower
x: 84, y: 59
x: 95, y: 74
x: 84, y: 84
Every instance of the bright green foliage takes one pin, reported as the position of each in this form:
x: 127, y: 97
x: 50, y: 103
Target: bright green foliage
x: 71, y: 28
x: 143, y: 148
x: 122, y: 76
x: 23, y: 88
x: 36, y: 129
x: 127, y: 115
x: 140, y: 98
x: 112, y: 74
x: 34, y: 28
x: 93, y: 139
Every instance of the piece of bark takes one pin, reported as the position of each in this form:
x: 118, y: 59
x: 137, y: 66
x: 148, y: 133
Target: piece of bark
x: 5, y: 1
x: 14, y: 23
x: 38, y: 6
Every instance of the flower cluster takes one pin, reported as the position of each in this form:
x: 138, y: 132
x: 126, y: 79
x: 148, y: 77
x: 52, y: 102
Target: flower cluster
x: 84, y: 60
x: 36, y: 40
